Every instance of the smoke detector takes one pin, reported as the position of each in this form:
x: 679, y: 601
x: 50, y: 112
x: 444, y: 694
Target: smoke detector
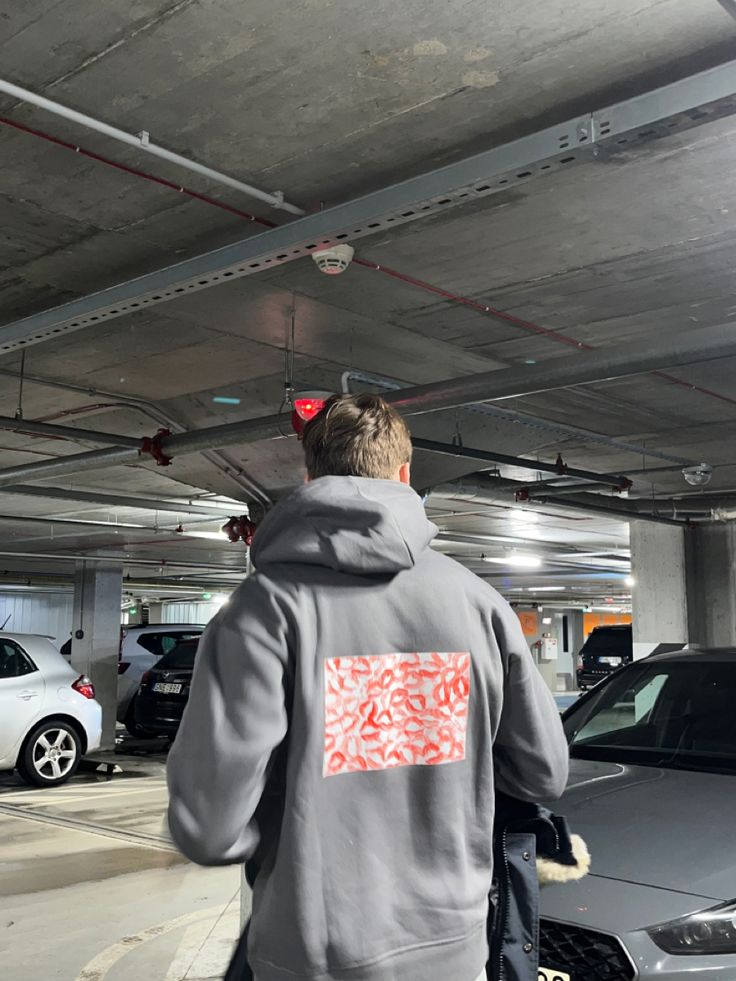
x: 335, y: 260
x: 699, y: 475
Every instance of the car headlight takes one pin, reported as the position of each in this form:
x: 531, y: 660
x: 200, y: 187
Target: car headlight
x: 712, y: 931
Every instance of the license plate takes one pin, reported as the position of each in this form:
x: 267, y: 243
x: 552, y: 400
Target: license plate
x: 166, y: 688
x: 550, y: 974
x: 613, y: 661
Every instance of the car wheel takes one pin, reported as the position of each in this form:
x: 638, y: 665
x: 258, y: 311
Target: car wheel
x: 134, y: 728
x: 50, y: 755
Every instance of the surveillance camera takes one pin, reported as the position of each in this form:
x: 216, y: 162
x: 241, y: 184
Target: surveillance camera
x: 699, y: 475
x: 335, y: 260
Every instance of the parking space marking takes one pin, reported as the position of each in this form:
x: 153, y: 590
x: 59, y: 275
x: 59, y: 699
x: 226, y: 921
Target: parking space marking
x: 141, y: 838
x: 85, y: 792
x: 99, y: 967
x: 42, y: 799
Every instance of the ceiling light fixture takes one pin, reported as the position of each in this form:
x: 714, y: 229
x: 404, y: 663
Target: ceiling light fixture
x: 522, y: 514
x: 630, y: 581
x: 546, y: 589
x: 518, y: 560
x: 214, y: 536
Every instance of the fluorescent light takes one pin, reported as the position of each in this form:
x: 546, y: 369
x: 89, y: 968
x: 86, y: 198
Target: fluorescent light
x: 220, y: 599
x: 521, y: 514
x: 545, y: 589
x: 546, y: 621
x: 518, y: 560
x: 212, y: 536
x: 630, y: 581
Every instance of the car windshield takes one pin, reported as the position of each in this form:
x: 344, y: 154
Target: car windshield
x: 181, y: 657
x: 609, y: 641
x: 677, y: 714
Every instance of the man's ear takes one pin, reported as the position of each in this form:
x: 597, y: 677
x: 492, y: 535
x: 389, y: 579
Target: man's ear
x: 307, y: 479
x: 405, y: 473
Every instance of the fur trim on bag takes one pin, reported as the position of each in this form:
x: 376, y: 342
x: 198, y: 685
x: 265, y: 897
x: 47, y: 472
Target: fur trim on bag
x: 549, y: 871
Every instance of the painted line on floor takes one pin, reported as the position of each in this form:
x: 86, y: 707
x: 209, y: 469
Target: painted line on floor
x: 141, y: 838
x: 42, y: 800
x: 206, y: 948
x: 109, y: 789
x: 99, y: 967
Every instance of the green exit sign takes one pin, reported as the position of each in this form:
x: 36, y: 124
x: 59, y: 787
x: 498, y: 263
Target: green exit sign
x: 206, y: 596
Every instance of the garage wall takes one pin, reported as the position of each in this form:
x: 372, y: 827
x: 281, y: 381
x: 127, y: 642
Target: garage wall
x: 38, y: 613
x: 198, y: 612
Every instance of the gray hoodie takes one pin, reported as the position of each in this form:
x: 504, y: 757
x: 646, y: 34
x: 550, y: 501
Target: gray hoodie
x: 353, y: 708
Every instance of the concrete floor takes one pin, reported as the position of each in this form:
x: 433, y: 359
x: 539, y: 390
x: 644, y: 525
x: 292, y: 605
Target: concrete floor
x: 93, y: 890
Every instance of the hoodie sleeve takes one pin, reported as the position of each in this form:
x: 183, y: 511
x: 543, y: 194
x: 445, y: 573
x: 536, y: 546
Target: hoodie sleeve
x: 235, y: 719
x: 530, y: 752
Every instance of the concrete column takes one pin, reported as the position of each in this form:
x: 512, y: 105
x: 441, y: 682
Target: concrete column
x: 575, y: 640
x: 711, y: 584
x: 659, y: 596
x: 96, y: 635
x: 575, y: 633
x: 155, y: 612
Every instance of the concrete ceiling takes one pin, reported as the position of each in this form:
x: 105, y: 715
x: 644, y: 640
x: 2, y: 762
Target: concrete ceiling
x: 325, y: 100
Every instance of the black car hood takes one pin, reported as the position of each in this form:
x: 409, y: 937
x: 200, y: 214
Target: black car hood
x: 672, y: 829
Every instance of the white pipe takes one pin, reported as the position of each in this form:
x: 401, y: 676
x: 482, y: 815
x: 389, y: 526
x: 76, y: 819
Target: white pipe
x: 142, y: 142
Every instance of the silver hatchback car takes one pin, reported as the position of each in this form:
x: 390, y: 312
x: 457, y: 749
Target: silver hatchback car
x: 653, y: 792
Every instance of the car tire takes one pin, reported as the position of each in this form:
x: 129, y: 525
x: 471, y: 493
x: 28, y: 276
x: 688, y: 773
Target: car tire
x: 134, y: 728
x: 50, y: 754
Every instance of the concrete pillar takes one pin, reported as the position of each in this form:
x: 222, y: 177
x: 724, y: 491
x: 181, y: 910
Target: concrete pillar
x: 575, y: 640
x: 576, y: 633
x: 659, y: 595
x: 155, y: 612
x: 96, y: 635
x: 711, y: 584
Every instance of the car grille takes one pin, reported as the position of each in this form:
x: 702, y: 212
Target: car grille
x: 583, y: 954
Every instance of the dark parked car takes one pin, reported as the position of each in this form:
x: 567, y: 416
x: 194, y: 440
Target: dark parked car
x: 606, y: 650
x: 652, y: 791
x: 164, y: 690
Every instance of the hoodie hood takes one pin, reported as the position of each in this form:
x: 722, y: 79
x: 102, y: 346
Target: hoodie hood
x: 351, y: 524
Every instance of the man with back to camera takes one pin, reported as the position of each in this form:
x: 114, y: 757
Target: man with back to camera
x: 354, y: 708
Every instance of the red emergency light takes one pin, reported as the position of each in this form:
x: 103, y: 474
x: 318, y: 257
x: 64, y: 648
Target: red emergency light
x: 306, y: 405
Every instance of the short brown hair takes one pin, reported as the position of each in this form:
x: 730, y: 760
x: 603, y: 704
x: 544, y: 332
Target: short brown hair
x: 356, y: 436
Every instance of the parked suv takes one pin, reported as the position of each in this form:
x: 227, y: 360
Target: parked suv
x: 164, y: 690
x: 140, y: 648
x: 48, y: 714
x: 605, y: 651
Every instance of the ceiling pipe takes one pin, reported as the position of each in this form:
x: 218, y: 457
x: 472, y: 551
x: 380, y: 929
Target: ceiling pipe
x: 640, y: 357
x: 124, y: 501
x: 141, y: 141
x: 526, y: 420
x: 109, y: 526
x: 152, y: 411
x: 54, y: 431
x: 179, y: 444
x: 123, y: 560
x: 682, y: 348
x: 590, y: 505
x: 530, y: 491
x: 491, y: 456
x: 495, y: 491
